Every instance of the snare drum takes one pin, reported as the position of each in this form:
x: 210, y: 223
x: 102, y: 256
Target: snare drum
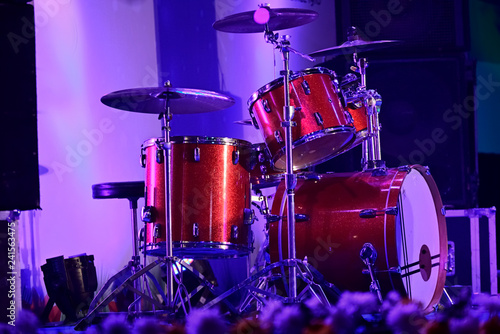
x: 399, y: 214
x: 210, y: 197
x: 323, y: 129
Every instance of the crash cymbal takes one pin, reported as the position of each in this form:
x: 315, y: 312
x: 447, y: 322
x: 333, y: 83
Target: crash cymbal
x: 279, y: 19
x: 355, y: 46
x: 181, y: 100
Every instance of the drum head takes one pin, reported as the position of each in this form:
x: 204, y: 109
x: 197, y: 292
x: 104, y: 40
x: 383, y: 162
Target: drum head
x: 419, y: 240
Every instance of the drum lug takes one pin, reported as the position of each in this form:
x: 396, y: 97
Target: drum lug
x: 196, y: 230
x: 234, y: 231
x: 156, y: 231
x: 427, y: 170
x: 254, y: 120
x: 278, y: 137
x: 148, y: 214
x: 143, y: 158
x: 372, y: 213
x: 265, y: 104
x: 197, y: 154
x: 248, y: 216
x: 368, y: 213
x: 272, y: 218
x: 319, y: 119
x: 236, y: 157
x: 300, y: 217
x: 305, y: 87
x: 392, y: 211
x: 395, y: 270
x: 159, y: 152
x: 404, y: 168
x: 159, y: 156
x: 348, y: 116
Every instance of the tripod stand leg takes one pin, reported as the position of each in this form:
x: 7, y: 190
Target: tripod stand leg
x: 87, y: 320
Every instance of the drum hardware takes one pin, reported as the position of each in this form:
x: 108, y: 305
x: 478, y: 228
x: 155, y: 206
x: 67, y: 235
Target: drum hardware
x: 129, y: 274
x: 298, y: 218
x: 128, y: 283
x: 246, y: 22
x: 263, y: 207
x: 259, y: 284
x: 157, y: 101
x: 368, y: 255
x: 370, y: 99
x: 372, y: 213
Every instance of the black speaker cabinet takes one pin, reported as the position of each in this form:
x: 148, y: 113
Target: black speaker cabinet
x: 421, y: 26
x: 19, y: 180
x: 427, y: 118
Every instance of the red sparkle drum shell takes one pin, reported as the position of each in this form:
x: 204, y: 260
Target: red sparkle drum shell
x: 210, y: 194
x: 411, y: 241
x: 360, y: 124
x: 322, y: 128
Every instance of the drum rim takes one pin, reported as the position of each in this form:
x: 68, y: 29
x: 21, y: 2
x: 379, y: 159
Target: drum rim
x: 279, y: 82
x: 443, y: 236
x: 399, y: 178
x: 315, y: 135
x: 199, y: 140
x: 223, y: 249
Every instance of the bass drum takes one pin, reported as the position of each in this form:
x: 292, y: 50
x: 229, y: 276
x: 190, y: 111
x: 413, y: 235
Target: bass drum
x: 399, y: 214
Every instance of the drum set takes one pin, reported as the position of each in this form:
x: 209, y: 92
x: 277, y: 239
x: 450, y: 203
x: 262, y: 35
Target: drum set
x: 378, y: 229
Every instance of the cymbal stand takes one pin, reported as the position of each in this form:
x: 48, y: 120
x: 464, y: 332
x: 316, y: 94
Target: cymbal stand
x: 167, y: 155
x: 290, y: 179
x: 283, y: 44
x: 372, y: 154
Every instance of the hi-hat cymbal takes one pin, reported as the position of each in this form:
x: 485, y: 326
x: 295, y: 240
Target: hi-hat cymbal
x: 355, y: 46
x: 279, y: 19
x: 181, y: 100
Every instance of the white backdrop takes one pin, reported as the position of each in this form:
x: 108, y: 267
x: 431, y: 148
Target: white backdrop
x: 84, y: 50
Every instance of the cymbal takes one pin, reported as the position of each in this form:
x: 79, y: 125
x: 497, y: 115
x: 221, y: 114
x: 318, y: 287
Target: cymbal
x: 355, y: 46
x: 181, y: 100
x: 279, y: 19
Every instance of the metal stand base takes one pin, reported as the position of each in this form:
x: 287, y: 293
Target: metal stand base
x: 262, y: 285
x: 159, y: 306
